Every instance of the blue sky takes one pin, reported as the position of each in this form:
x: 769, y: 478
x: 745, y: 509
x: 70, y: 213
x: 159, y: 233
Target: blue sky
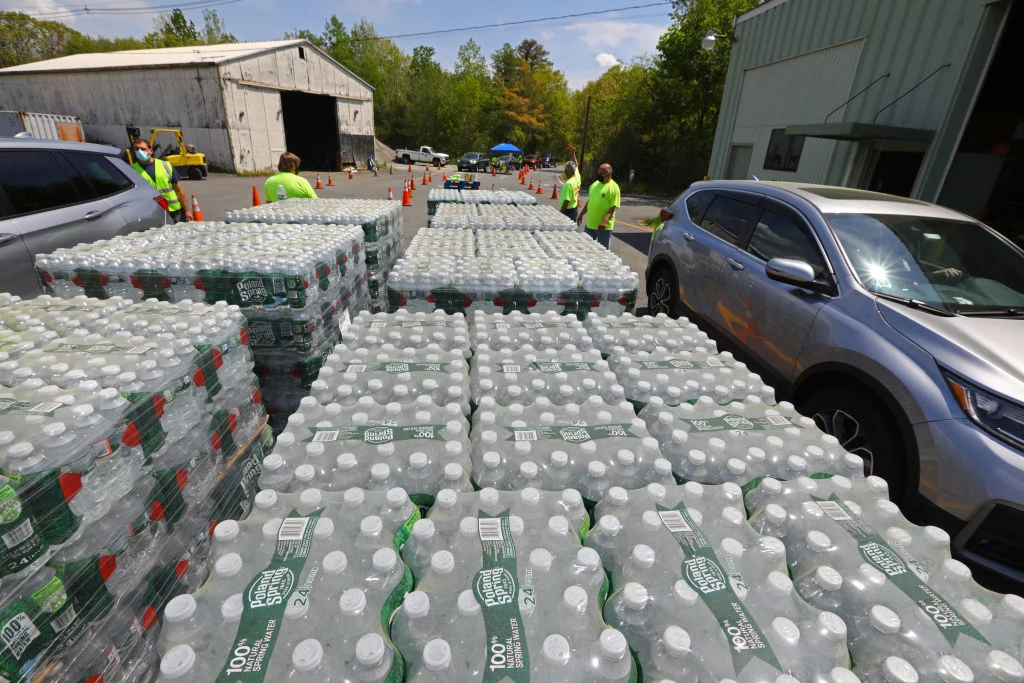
x: 581, y: 46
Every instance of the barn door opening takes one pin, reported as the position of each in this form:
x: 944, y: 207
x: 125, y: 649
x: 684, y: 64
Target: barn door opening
x: 311, y: 129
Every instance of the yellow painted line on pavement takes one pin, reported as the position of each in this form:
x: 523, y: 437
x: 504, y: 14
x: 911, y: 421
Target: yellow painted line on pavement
x: 645, y: 228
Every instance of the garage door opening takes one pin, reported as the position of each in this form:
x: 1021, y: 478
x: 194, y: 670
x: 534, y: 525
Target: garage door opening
x: 311, y: 130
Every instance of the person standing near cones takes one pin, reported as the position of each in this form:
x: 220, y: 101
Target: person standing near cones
x: 569, y: 198
x: 288, y: 177
x: 162, y: 176
x: 599, y: 211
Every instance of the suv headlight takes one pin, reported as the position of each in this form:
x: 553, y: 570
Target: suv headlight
x: 995, y: 414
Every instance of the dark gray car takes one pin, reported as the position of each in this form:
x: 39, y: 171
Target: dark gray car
x: 57, y: 194
x: 897, y: 324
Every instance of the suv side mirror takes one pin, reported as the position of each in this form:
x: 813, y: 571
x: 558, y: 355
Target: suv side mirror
x: 796, y: 272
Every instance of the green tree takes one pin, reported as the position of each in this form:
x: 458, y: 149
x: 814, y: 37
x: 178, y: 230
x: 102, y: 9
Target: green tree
x: 505, y: 64
x: 533, y: 53
x: 25, y: 39
x: 214, y: 30
x: 173, y: 30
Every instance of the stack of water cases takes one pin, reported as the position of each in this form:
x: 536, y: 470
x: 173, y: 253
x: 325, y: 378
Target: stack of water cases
x: 302, y: 590
x: 440, y: 196
x: 293, y: 283
x: 913, y: 612
x: 501, y: 271
x: 117, y: 422
x: 381, y: 222
x: 501, y: 217
x: 700, y: 596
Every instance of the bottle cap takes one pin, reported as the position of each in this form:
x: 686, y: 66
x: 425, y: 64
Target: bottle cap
x: 776, y: 514
x: 310, y: 498
x: 370, y: 650
x: 228, y: 565
x: 828, y: 578
x: 1014, y: 604
x: 324, y: 528
x: 556, y: 649
x: 656, y: 491
x: 771, y: 547
x: 441, y: 562
x: 676, y: 641
x: 226, y: 531
x: 731, y: 546
x: 635, y: 595
x: 643, y: 555
x: 588, y: 557
x: 437, y: 655
x: 231, y: 608
x: 178, y: 662
x: 558, y: 525
x: 841, y: 675
x: 736, y: 467
x: 1004, y: 666
x: 352, y: 602
x: 180, y: 608
x: 617, y: 495
x: 884, y: 619
x: 305, y: 473
x: 380, y: 471
x: 271, y: 527
x: 307, y: 655
x: 733, y: 517
x: 780, y: 584
x: 575, y: 598
x: 468, y: 526
x: 572, y: 498
x: 416, y: 604
x: 446, y: 499
x: 898, y: 670
x: 423, y: 529
x: 418, y: 460
x: 786, y: 631
x: 613, y: 644
x: 353, y: 497
x: 954, y: 670
x: 559, y: 458
x: 528, y: 470
x: 335, y: 562
x: 832, y: 626
x: 870, y: 575
x: 371, y: 525
x: 385, y: 560
x: 975, y: 611
x: 541, y: 558
x: 396, y: 497
x: 609, y: 525
x: 818, y: 541
x: 264, y: 500
x: 467, y: 604
x: 596, y: 468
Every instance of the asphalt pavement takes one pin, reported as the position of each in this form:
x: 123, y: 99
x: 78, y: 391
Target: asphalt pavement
x: 221, y: 192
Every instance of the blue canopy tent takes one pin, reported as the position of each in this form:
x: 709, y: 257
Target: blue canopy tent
x: 506, y: 147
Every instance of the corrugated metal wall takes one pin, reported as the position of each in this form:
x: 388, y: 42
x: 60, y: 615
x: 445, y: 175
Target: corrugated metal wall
x: 908, y: 39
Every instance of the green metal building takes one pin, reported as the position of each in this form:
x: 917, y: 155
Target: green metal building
x: 922, y: 98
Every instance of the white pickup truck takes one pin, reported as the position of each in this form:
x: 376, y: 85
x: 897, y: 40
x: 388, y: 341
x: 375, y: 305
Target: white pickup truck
x: 423, y: 154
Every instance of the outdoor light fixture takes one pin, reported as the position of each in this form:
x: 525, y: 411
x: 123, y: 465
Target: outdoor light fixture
x: 709, y: 41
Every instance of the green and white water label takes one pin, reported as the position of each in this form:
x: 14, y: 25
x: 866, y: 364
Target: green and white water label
x: 727, y: 423
x: 876, y: 551
x: 508, y: 367
x: 571, y: 433
x: 496, y: 588
x: 718, y: 587
x: 553, y: 325
x: 395, y: 367
x: 679, y: 364
x: 376, y: 434
x: 265, y: 599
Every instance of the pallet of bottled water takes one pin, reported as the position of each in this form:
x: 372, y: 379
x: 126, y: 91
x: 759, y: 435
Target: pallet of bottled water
x: 563, y: 375
x: 628, y: 334
x: 422, y: 447
x: 685, y: 372
x: 505, y: 591
x: 452, y: 196
x: 377, y: 218
x: 515, y: 330
x: 405, y: 330
x: 701, y: 596
x: 451, y: 284
x: 116, y: 422
x: 301, y: 590
x: 914, y: 613
x: 744, y: 441
x: 482, y: 217
x: 589, y: 446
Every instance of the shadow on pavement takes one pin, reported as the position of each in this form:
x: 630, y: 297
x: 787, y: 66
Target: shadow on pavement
x: 641, y: 241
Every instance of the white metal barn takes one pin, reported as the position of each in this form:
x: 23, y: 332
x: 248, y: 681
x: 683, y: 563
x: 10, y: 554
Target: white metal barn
x: 242, y: 104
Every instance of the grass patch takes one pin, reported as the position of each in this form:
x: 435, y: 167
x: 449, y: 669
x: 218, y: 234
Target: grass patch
x: 651, y: 222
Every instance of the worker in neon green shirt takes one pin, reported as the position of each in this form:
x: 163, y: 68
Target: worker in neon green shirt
x: 603, y: 199
x: 569, y: 197
x: 288, y: 178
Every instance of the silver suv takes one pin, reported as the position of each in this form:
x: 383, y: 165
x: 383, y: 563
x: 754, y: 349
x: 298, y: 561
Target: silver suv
x: 57, y: 194
x: 896, y: 324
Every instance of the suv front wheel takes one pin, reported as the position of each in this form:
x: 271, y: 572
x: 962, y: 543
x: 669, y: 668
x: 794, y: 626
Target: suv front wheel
x: 662, y: 292
x: 854, y: 417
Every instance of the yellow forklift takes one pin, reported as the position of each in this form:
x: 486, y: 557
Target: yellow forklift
x: 189, y: 163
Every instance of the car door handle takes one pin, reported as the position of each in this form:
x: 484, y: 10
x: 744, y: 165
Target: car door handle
x: 689, y: 236
x: 7, y: 238
x: 92, y: 215
x: 734, y: 264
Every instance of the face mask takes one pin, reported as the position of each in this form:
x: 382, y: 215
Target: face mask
x: 142, y: 155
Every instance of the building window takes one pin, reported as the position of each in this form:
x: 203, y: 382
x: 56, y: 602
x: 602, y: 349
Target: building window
x: 302, y: 53
x: 783, y: 151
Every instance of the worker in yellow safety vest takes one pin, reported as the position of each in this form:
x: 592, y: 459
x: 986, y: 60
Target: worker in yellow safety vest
x: 164, y: 178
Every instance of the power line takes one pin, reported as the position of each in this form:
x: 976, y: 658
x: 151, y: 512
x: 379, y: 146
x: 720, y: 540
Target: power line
x: 86, y: 10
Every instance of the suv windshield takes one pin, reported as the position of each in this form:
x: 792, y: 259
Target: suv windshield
x: 956, y: 266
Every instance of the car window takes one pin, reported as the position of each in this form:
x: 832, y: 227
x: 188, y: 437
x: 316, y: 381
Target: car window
x: 35, y: 180
x: 778, y: 235
x: 728, y: 218
x: 697, y: 204
x: 101, y: 176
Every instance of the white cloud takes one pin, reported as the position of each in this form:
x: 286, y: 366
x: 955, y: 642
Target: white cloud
x: 606, y: 60
x: 547, y: 35
x: 612, y: 34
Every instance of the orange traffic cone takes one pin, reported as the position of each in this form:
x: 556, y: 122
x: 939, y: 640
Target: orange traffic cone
x: 531, y: 186
x: 412, y: 184
x: 391, y: 195
x: 375, y: 173
x: 522, y: 178
x: 330, y: 180
x: 554, y: 192
x: 197, y: 213
x: 319, y: 184
x: 351, y: 175
x: 256, y: 197
x: 407, y: 198
x: 410, y: 168
x: 494, y: 171
x: 539, y: 190
x: 444, y: 176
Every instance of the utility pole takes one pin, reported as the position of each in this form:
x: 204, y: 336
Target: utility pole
x: 583, y: 142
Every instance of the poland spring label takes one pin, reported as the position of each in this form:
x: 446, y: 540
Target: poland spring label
x: 265, y: 599
x: 496, y: 588
x: 550, y: 368
x: 877, y: 551
x: 718, y: 589
x: 727, y: 423
x: 376, y: 434
x: 570, y: 433
x: 395, y: 367
x: 679, y: 364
